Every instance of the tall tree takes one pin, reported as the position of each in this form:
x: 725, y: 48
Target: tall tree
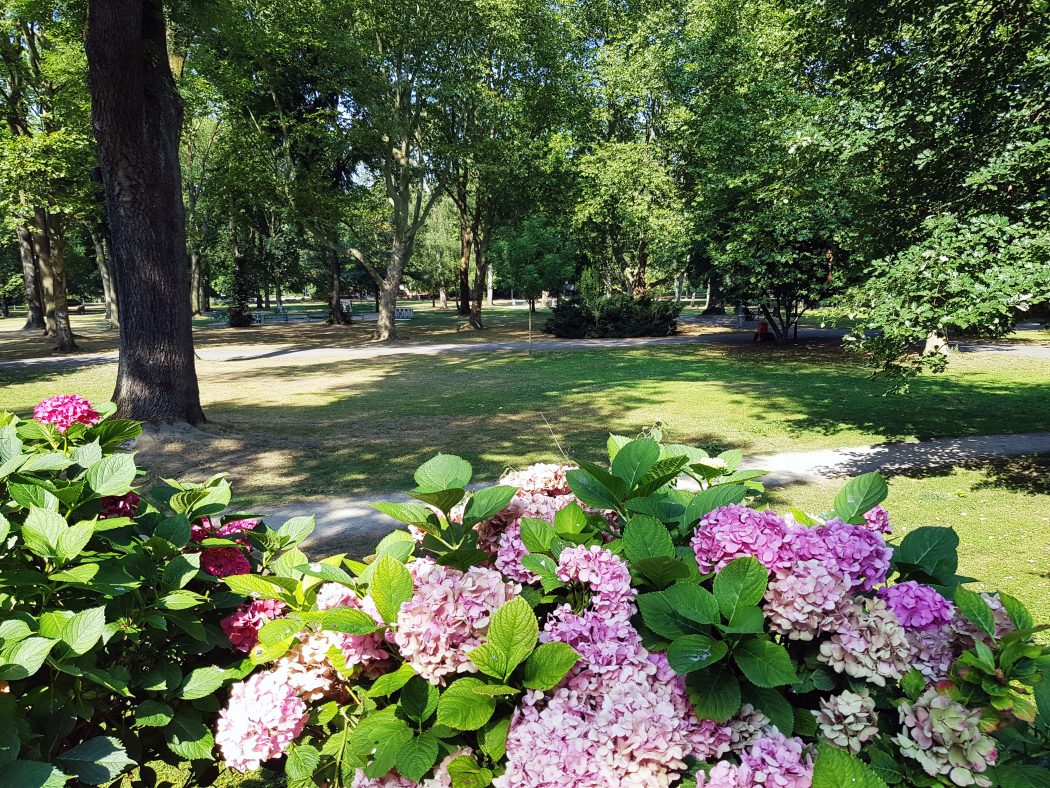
x: 137, y: 115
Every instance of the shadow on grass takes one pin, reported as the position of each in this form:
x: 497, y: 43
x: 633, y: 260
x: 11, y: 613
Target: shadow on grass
x: 349, y: 428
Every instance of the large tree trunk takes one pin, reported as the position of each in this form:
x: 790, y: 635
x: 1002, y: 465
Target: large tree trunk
x: 466, y: 246
x: 481, y: 270
x: 386, y: 328
x: 137, y: 118
x: 714, y: 294
x: 48, y: 250
x: 638, y: 284
x: 105, y: 270
x: 31, y: 278
x: 335, y: 289
x: 196, y: 281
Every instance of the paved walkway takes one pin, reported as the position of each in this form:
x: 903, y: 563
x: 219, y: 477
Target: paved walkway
x: 297, y: 354
x: 350, y: 525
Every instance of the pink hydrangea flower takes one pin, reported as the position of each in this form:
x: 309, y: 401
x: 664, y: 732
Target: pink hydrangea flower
x: 878, y: 519
x: 225, y: 561
x: 447, y: 616
x: 734, y: 531
x: 357, y: 649
x: 243, y: 625
x: 806, y: 599
x: 917, y: 606
x: 119, y: 505
x: 776, y: 760
x: 621, y: 717
x: 509, y: 553
x: 262, y: 718
x: 604, y: 574
x: 64, y: 410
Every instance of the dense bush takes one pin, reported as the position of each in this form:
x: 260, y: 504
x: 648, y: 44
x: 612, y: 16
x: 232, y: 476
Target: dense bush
x: 598, y: 626
x: 111, y: 650
x: 635, y: 624
x: 619, y: 315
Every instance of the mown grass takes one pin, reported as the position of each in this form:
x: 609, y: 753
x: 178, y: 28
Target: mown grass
x: 289, y: 427
x: 1000, y: 510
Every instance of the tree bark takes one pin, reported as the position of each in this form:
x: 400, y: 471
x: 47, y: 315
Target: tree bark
x: 48, y: 248
x: 196, y: 281
x: 105, y: 270
x: 137, y: 117
x: 714, y: 294
x: 489, y: 287
x: 466, y: 246
x: 31, y: 278
x: 386, y: 327
x: 335, y: 289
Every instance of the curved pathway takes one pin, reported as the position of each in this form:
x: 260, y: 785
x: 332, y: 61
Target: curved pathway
x: 297, y: 354
x: 350, y: 524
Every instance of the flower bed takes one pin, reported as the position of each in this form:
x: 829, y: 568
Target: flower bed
x: 598, y: 625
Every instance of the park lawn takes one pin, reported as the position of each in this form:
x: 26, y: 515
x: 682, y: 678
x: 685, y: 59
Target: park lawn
x: 1000, y: 510
x: 288, y: 430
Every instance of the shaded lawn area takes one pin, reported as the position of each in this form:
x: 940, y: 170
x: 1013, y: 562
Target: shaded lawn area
x: 1000, y: 510
x: 287, y: 430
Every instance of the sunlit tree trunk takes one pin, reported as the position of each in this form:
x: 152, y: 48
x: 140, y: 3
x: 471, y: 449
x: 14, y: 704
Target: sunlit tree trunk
x: 31, y: 279
x: 105, y: 271
x: 48, y: 248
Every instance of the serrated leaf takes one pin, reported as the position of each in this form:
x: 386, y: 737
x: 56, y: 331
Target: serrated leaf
x: 694, y: 652
x: 487, y: 502
x: 462, y: 708
x: 646, y: 537
x: 513, y: 630
x: 766, y: 664
x: 835, y: 768
x: 714, y: 693
x: 153, y: 714
x: 740, y: 583
x: 634, y: 459
x: 112, y: 475
x: 391, y: 585
x: 859, y: 496
x: 443, y: 472
x: 96, y: 761
x: 972, y: 605
x: 390, y: 683
x: 548, y: 665
x: 84, y: 629
x: 417, y: 756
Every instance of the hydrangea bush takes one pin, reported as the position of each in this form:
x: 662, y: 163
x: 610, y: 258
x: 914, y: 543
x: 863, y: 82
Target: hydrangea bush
x: 112, y: 649
x: 638, y: 623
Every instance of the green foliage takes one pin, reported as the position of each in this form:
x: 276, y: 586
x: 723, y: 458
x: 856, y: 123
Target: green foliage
x: 616, y: 316
x: 108, y: 627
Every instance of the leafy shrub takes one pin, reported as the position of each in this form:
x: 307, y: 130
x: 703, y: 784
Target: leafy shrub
x: 619, y: 315
x: 600, y: 626
x: 109, y: 629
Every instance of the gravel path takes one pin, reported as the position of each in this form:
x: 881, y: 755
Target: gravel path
x: 350, y: 525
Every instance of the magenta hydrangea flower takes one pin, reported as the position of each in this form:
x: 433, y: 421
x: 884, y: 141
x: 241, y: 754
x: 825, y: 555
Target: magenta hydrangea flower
x: 861, y: 553
x: 447, y: 616
x: 262, y: 718
x: 243, y: 625
x: 878, y: 520
x: 64, y: 410
x: 213, y: 528
x: 917, y: 606
x: 509, y: 554
x: 225, y: 561
x: 119, y: 505
x: 735, y: 531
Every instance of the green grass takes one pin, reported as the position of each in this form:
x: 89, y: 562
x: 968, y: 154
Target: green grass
x: 1000, y: 510
x: 288, y: 428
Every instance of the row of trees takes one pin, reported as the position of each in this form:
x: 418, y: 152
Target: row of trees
x: 892, y: 159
